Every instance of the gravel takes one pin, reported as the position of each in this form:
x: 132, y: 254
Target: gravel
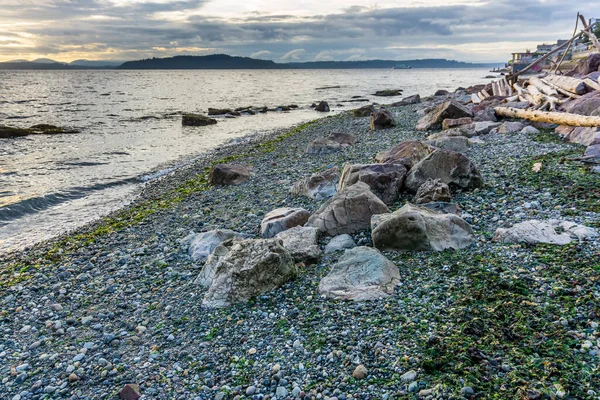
x: 113, y: 303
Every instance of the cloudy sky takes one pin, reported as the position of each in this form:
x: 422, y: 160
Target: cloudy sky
x: 283, y: 30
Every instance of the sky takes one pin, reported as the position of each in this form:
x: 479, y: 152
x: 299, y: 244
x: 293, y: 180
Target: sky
x: 284, y: 30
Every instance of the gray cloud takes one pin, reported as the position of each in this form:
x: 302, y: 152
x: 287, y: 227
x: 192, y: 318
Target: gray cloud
x: 133, y: 31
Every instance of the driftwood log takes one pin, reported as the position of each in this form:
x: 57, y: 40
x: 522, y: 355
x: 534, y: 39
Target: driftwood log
x: 568, y: 83
x: 559, y: 118
x: 542, y: 87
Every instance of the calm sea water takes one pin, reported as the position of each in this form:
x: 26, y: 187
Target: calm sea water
x: 53, y: 183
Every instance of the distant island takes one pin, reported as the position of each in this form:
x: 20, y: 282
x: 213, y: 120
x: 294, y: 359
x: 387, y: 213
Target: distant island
x: 224, y: 61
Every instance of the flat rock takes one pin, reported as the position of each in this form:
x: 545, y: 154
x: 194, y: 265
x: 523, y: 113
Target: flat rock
x: 282, y: 219
x: 452, y: 168
x: 433, y: 190
x: 197, y: 120
x: 229, y: 174
x: 384, y: 180
x: 362, y: 273
x: 302, y: 243
x: 408, y: 153
x: 447, y: 110
x: 388, y: 93
x: 510, y: 127
x: 459, y: 144
x: 414, y: 99
x: 413, y: 228
x: 450, y: 123
x: 549, y: 232
x: 487, y: 114
x: 382, y: 119
x: 340, y: 242
x: 349, y: 211
x: 203, y: 244
x: 247, y: 268
x: 323, y: 146
x: 345, y: 139
x: 318, y: 186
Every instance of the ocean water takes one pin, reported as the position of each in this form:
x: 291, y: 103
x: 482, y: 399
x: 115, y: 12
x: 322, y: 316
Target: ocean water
x: 130, y: 130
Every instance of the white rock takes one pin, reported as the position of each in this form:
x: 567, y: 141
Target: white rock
x: 549, y: 232
x: 203, y: 244
x: 340, y: 242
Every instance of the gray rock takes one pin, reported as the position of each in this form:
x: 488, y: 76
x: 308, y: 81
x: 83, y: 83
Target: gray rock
x: 433, y: 190
x: 510, y: 127
x: 459, y: 144
x: 302, y: 243
x: 530, y: 130
x: 382, y: 119
x: 363, y: 273
x: 248, y: 268
x: 550, y: 232
x: 340, y: 242
x: 323, y: 146
x: 349, y: 211
x: 197, y: 120
x: 282, y: 219
x: 323, y: 106
x: 281, y: 392
x: 345, y: 139
x: 364, y: 111
x: 229, y: 174
x: 414, y: 228
x: 203, y: 244
x: 414, y: 99
x: 384, y: 180
x: 319, y: 186
x: 447, y: 110
x: 407, y: 153
x: 452, y: 168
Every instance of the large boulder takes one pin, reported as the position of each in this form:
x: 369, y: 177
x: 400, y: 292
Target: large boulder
x: 407, y: 153
x: 229, y: 174
x: 318, y: 186
x: 586, y: 65
x: 363, y: 273
x: 349, y: 211
x: 433, y: 190
x: 240, y: 270
x: 580, y: 134
x: 302, y: 243
x: 382, y: 119
x: 203, y: 244
x: 364, y: 111
x: 197, y: 120
x: 452, y: 168
x: 282, y: 219
x: 345, y: 139
x: 323, y: 106
x: 414, y: 228
x: 449, y: 109
x: 414, y: 99
x: 549, y: 232
x: 323, y: 146
x: 384, y: 180
x: 588, y: 104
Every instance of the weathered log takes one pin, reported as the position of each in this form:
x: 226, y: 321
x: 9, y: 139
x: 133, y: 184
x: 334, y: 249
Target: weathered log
x: 561, y: 91
x: 542, y: 87
x: 568, y: 83
x: 591, y: 84
x: 559, y: 118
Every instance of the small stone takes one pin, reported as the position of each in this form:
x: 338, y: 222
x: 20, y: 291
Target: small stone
x: 276, y: 368
x: 250, y: 390
x: 409, y: 376
x: 467, y: 391
x: 130, y: 392
x: 281, y: 392
x: 360, y: 372
x: 413, y: 387
x: 73, y: 378
x: 56, y: 307
x: 252, y: 351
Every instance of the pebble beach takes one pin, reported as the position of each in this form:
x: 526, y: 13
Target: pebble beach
x: 114, y: 302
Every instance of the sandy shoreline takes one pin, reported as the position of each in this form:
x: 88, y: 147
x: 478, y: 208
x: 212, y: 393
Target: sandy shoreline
x: 492, y: 319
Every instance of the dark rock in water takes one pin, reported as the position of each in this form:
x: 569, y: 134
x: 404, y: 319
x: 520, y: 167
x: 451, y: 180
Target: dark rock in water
x: 241, y: 109
x: 219, y: 111
x: 9, y: 132
x: 475, y: 89
x: 364, y: 111
x: 452, y: 168
x: 197, y: 120
x: 441, y: 92
x: 322, y: 107
x: 449, y: 109
x: 40, y: 129
x: 384, y: 180
x: 283, y: 108
x: 382, y: 119
x: 293, y: 106
x: 229, y: 174
x: 388, y: 93
x: 345, y: 139
x: 415, y: 99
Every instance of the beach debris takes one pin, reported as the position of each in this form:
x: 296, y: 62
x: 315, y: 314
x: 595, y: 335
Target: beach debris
x: 413, y: 228
x: 361, y: 274
x: 537, y: 167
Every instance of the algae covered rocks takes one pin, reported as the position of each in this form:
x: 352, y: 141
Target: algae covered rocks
x: 197, y: 120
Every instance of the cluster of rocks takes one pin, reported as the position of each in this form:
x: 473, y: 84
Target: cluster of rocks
x: 7, y: 132
x: 192, y: 119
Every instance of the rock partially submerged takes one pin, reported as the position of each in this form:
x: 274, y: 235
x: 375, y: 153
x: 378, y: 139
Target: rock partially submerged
x: 318, y: 186
x: 229, y: 174
x: 388, y: 93
x: 363, y: 273
x: 549, y: 232
x: 323, y: 106
x: 413, y: 228
x: 197, y: 120
x: 452, y: 168
x: 384, y: 180
x: 240, y: 270
x: 364, y: 111
x: 7, y: 132
x: 349, y: 211
x: 282, y: 219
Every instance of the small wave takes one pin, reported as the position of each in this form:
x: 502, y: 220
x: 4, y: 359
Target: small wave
x: 36, y: 204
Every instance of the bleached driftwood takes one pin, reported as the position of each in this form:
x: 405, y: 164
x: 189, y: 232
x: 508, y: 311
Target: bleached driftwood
x: 559, y: 118
x: 561, y: 91
x: 591, y: 84
x: 542, y: 87
x: 567, y: 83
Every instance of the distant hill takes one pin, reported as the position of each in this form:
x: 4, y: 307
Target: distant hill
x: 223, y: 61
x: 96, y: 63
